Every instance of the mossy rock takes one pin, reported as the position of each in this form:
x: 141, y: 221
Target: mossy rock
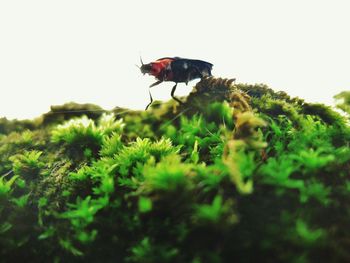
x: 237, y: 173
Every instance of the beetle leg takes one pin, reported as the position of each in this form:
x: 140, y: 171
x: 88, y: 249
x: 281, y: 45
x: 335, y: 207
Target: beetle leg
x: 150, y: 95
x: 172, y: 94
x: 156, y: 83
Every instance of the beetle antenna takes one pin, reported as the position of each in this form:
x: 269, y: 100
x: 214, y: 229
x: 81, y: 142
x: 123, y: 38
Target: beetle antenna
x: 141, y: 60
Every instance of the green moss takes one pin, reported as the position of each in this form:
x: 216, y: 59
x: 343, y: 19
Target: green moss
x: 238, y: 173
x: 343, y: 101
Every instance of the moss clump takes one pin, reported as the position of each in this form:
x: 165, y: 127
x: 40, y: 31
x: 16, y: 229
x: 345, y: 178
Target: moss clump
x: 343, y: 101
x: 237, y: 173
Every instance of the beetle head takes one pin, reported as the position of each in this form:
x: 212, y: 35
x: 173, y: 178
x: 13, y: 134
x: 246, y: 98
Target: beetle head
x: 145, y: 68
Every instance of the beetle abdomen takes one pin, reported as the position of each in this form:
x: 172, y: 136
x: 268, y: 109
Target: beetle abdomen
x: 185, y: 70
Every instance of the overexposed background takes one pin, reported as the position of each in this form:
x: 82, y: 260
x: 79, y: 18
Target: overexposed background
x: 52, y: 52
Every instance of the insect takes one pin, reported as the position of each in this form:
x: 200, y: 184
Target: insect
x: 175, y: 69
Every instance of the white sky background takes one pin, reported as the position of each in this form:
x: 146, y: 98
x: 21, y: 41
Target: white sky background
x: 52, y: 52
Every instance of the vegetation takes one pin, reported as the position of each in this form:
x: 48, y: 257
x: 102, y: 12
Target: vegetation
x: 343, y: 100
x: 237, y: 173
